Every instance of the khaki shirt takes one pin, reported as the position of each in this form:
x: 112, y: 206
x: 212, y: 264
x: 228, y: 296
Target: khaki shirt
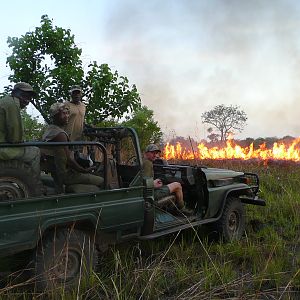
x: 60, y: 158
x: 11, y: 127
x: 74, y: 128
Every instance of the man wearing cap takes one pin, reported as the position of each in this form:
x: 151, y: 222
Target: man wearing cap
x: 151, y: 153
x: 11, y: 127
x: 68, y: 171
x: 77, y: 109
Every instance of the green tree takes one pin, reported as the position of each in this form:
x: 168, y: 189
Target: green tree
x: 49, y: 60
x: 225, y: 119
x: 109, y: 94
x: 147, y: 129
x: 33, y: 129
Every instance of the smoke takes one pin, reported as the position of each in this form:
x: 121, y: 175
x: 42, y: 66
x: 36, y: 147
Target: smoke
x: 186, y: 57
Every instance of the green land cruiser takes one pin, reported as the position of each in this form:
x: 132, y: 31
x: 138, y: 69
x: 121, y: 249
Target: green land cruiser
x: 66, y: 230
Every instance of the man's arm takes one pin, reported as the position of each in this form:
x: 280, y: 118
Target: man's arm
x: 13, y: 123
x: 61, y: 137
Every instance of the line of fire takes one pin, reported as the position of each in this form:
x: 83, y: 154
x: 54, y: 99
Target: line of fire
x: 231, y: 150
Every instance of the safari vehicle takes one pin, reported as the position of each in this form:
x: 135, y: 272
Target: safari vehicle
x: 65, y: 230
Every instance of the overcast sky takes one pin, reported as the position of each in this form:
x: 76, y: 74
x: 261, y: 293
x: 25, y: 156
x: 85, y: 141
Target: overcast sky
x: 186, y: 56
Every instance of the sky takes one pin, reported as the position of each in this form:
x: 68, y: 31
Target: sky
x: 187, y: 56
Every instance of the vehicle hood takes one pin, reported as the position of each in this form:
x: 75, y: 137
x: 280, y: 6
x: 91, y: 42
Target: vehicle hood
x: 213, y: 173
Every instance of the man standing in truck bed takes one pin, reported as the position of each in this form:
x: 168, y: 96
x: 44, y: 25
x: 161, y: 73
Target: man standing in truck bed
x: 77, y: 109
x: 160, y: 190
x: 11, y: 127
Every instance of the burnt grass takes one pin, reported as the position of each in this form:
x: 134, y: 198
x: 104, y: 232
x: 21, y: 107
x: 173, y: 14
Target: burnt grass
x: 265, y: 264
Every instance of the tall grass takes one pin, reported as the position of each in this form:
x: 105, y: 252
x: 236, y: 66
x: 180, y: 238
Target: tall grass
x: 265, y: 264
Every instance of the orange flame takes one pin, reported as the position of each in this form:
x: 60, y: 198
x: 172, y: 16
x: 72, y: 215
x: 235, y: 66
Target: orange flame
x: 279, y: 151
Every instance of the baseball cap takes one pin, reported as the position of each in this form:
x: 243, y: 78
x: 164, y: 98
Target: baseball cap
x: 152, y: 148
x: 75, y: 88
x: 55, y: 108
x: 24, y: 86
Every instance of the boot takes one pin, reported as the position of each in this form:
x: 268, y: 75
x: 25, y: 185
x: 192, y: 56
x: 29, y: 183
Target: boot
x: 187, y: 212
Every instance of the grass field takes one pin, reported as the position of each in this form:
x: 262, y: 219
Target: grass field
x: 265, y: 264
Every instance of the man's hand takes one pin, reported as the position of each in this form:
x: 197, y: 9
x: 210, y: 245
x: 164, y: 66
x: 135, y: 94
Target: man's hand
x: 158, y: 183
x: 90, y: 169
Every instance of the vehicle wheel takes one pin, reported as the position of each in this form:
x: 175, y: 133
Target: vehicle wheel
x: 16, y: 181
x: 63, y: 259
x: 231, y: 226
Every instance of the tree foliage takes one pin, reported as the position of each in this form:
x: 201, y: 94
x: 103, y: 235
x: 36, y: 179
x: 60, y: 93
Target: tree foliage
x: 109, y: 94
x: 33, y: 129
x: 226, y: 119
x: 147, y: 129
x: 50, y: 61
x: 213, y: 137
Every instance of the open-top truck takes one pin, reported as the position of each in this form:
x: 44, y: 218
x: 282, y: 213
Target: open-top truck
x: 65, y: 230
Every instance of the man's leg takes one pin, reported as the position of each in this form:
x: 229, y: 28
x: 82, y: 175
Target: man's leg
x: 161, y: 192
x: 32, y: 157
x: 175, y: 187
x: 80, y: 178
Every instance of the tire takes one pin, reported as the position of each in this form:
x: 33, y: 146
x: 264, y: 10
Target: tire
x: 16, y: 181
x: 231, y: 225
x: 63, y: 259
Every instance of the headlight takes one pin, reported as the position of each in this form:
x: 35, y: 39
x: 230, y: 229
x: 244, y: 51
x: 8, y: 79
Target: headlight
x: 245, y: 180
x: 221, y: 182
